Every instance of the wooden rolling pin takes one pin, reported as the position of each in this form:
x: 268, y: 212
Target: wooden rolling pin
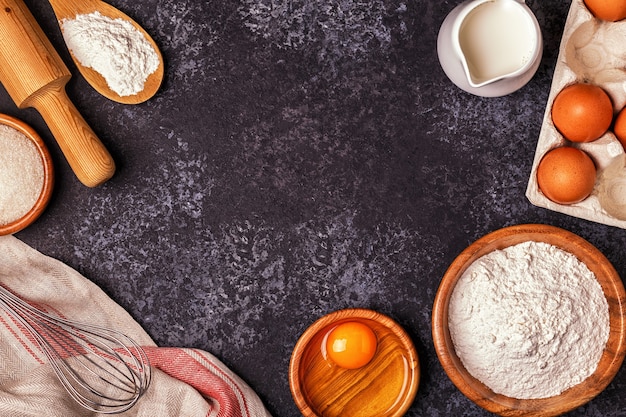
x: 35, y: 76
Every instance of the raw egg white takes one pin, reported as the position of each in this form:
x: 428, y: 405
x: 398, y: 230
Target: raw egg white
x: 566, y: 175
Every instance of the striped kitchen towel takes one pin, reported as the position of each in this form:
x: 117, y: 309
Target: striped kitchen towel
x: 185, y: 382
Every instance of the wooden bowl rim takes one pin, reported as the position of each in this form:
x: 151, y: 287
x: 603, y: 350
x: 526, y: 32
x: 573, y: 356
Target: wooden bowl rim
x: 48, y: 171
x: 575, y: 396
x: 339, y: 316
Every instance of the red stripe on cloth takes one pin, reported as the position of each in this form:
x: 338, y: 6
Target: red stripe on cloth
x: 211, y: 383
x: 22, y: 336
x: 241, y: 395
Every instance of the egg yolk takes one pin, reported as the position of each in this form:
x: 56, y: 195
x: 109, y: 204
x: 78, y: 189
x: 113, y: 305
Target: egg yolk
x: 351, y: 345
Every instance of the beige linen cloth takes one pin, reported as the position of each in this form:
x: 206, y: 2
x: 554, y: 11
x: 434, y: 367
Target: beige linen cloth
x: 185, y: 382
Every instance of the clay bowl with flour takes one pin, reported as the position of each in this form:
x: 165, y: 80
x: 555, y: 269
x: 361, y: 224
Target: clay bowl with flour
x: 611, y: 358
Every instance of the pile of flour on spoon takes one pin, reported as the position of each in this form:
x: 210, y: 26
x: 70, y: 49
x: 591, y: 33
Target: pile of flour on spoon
x: 112, y: 47
x: 529, y: 321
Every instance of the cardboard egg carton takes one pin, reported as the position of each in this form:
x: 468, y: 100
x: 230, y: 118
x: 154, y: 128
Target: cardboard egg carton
x: 591, y: 51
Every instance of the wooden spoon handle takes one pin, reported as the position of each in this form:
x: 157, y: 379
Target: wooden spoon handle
x: 87, y: 156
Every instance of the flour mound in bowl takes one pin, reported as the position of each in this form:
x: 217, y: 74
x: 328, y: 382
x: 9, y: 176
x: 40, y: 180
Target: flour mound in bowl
x: 529, y: 321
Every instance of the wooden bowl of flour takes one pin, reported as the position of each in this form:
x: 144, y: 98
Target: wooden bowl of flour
x: 26, y: 175
x: 611, y: 357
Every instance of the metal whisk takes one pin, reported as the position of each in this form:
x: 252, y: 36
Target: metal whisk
x: 102, y: 369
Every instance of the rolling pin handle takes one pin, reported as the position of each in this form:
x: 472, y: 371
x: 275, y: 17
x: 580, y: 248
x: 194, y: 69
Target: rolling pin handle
x: 85, y: 153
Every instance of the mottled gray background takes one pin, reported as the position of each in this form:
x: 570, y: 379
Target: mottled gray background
x: 302, y: 156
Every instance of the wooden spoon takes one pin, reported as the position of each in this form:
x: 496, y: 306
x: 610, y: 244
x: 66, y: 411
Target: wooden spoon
x: 69, y: 9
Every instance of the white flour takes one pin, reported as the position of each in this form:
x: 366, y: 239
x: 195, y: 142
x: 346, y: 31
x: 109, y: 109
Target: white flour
x: 529, y: 321
x: 21, y: 174
x: 112, y: 47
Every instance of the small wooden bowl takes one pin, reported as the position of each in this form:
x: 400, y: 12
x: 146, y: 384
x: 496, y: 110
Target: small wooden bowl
x: 385, y: 387
x: 572, y: 398
x: 48, y: 180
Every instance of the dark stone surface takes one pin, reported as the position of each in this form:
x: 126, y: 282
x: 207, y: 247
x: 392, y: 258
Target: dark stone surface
x: 297, y: 161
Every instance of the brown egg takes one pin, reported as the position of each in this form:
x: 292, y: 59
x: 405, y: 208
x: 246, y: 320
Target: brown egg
x: 582, y: 112
x: 566, y: 175
x: 620, y: 127
x: 611, y: 10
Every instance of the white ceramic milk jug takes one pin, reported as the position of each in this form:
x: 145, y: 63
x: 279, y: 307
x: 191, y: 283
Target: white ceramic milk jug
x: 490, y: 47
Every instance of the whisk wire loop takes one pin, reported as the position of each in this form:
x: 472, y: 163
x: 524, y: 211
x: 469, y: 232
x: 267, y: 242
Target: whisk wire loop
x: 102, y: 369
